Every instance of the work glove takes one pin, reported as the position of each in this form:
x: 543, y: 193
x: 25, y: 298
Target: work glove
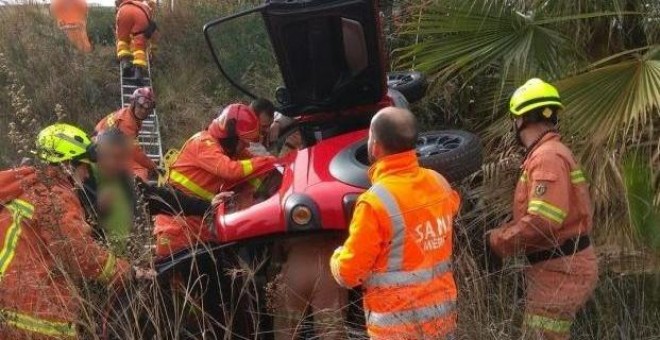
x: 221, y: 198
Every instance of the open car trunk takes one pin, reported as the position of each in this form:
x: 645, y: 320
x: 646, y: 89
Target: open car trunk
x: 328, y: 51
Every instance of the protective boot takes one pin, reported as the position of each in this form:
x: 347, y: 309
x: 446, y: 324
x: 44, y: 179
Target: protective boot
x: 126, y: 65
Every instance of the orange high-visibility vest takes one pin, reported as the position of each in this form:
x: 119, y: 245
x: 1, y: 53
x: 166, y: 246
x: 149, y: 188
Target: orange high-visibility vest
x: 399, y: 249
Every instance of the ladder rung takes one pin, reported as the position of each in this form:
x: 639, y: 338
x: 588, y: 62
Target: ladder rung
x: 148, y: 140
x: 149, y: 135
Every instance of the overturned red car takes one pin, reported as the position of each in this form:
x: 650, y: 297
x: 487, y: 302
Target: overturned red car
x: 328, y: 64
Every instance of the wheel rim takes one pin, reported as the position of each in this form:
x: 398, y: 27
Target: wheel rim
x: 399, y: 79
x: 437, y: 144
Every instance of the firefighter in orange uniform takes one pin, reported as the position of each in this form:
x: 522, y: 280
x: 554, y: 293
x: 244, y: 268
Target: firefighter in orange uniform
x: 209, y: 161
x: 71, y: 16
x: 129, y: 121
x: 552, y: 218
x: 134, y: 30
x: 399, y: 246
x: 46, y: 246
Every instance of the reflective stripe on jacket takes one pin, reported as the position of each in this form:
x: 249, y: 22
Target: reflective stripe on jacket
x: 46, y: 247
x: 200, y: 169
x: 399, y: 248
x: 203, y: 170
x: 551, y: 202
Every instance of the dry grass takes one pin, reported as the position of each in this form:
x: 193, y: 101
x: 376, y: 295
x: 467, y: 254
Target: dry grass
x: 45, y: 80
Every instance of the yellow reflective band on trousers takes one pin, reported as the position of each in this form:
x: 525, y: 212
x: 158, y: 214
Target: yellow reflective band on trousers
x: 139, y: 58
x: 123, y: 49
x: 547, y: 323
x: 247, y: 167
x: 40, y: 326
x: 20, y: 209
x: 108, y: 269
x: 577, y: 177
x: 180, y: 178
x: 547, y: 210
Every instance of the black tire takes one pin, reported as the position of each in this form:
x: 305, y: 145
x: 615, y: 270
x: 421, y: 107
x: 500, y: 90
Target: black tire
x: 410, y: 83
x: 455, y: 154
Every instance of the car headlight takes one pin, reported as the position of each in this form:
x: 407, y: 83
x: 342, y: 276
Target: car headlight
x: 301, y: 215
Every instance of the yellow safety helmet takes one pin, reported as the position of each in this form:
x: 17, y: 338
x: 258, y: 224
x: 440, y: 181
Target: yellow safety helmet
x: 534, y: 94
x: 61, y: 142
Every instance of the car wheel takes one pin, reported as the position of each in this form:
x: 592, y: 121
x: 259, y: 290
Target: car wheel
x: 410, y: 83
x: 455, y: 154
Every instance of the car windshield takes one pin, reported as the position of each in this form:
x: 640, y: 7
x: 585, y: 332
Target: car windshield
x: 305, y: 62
x: 255, y: 190
x: 246, y: 54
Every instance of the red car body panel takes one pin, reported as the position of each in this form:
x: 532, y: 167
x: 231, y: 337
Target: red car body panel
x: 304, y: 172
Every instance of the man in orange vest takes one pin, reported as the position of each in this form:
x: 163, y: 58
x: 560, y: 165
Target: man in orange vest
x: 46, y: 246
x: 209, y: 162
x: 399, y: 246
x: 552, y: 218
x: 129, y: 121
x: 135, y: 28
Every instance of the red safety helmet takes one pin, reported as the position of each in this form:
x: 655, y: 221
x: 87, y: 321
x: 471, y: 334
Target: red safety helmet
x: 144, y: 96
x: 245, y: 123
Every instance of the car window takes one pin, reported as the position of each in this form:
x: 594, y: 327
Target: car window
x: 245, y: 52
x: 255, y: 190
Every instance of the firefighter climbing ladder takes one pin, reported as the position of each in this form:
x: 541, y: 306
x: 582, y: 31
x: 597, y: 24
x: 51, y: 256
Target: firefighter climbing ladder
x: 149, y: 137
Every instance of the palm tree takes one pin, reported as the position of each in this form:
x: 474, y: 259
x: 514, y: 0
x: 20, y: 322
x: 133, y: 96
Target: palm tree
x: 603, y: 55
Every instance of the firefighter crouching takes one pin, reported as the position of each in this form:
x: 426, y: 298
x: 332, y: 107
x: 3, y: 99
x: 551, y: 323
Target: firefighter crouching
x: 400, y: 239
x: 552, y: 218
x: 208, y: 162
x: 47, y: 247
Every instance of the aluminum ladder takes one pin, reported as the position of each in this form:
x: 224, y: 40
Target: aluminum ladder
x: 149, y: 136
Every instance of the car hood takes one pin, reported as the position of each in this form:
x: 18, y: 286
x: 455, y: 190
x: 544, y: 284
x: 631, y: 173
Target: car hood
x: 329, y: 53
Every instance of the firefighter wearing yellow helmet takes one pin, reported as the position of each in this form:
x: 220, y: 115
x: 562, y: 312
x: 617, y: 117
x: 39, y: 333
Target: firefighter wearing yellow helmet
x: 552, y: 217
x: 62, y: 142
x: 42, y: 225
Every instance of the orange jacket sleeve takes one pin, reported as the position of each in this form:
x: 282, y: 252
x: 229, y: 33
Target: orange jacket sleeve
x: 353, y: 262
x: 547, y: 207
x: 210, y: 158
x: 70, y: 240
x: 141, y: 158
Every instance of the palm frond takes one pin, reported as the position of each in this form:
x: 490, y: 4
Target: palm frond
x: 472, y: 40
x: 640, y: 195
x: 610, y: 102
